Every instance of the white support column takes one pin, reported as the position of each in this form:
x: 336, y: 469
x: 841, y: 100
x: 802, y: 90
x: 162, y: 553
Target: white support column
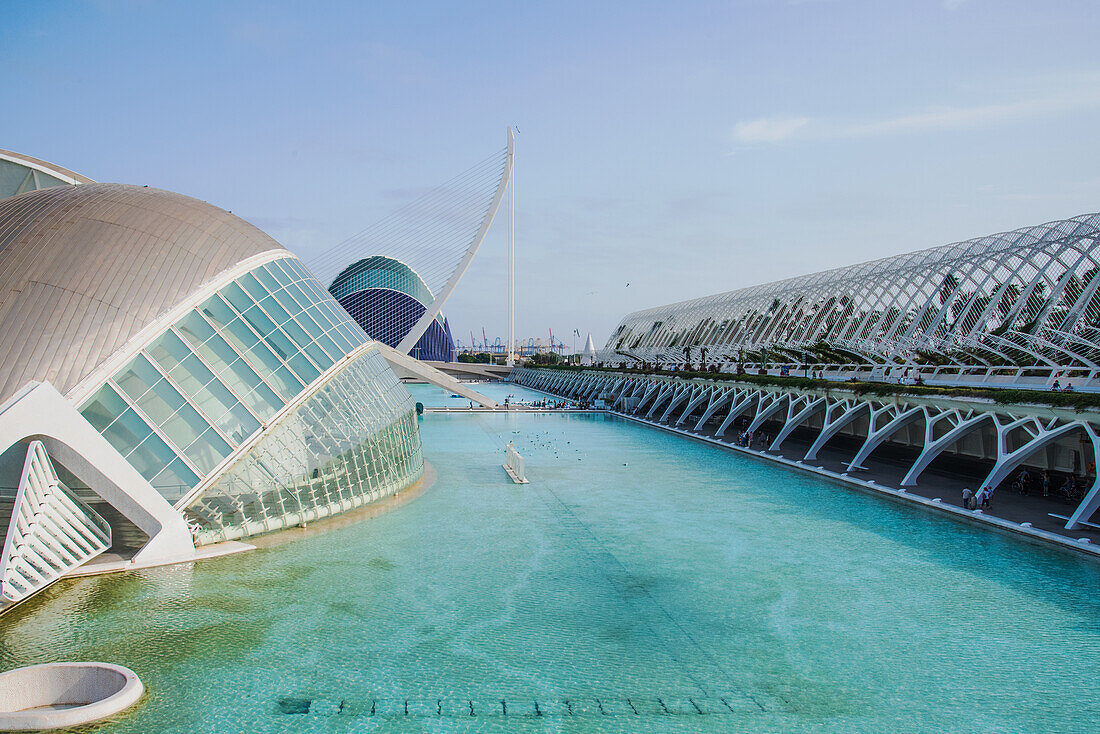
x: 771, y: 404
x: 932, y: 448
x: 1091, y: 501
x: 896, y: 420
x: 752, y: 396
x: 666, y: 393
x: 704, y: 393
x: 651, y: 390
x: 677, y: 400
x: 1007, y: 461
x: 716, y: 401
x: 799, y: 409
x: 850, y: 410
x: 38, y: 410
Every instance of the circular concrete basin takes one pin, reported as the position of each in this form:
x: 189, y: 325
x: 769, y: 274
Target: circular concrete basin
x: 58, y: 695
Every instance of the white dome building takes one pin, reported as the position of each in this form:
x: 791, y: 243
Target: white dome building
x: 173, y: 377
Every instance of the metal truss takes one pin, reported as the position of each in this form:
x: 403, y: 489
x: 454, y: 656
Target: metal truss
x: 1026, y: 297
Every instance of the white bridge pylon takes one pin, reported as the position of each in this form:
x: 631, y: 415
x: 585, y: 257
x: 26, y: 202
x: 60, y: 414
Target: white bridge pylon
x: 441, y: 297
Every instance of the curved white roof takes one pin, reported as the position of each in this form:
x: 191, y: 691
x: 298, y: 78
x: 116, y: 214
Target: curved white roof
x: 85, y: 268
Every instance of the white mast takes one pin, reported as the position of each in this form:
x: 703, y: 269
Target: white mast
x: 511, y: 361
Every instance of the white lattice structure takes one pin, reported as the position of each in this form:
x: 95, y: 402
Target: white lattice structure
x: 51, y: 531
x: 1022, y: 298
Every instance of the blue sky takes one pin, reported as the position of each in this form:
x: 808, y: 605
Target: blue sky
x: 685, y: 148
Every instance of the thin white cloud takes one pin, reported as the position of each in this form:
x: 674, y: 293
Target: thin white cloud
x: 768, y: 129
x: 939, y: 119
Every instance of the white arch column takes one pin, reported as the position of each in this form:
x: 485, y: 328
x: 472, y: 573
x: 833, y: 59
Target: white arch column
x: 717, y: 400
x: 849, y: 411
x: 677, y: 401
x: 704, y: 393
x: 933, y: 448
x: 799, y: 410
x: 740, y: 407
x: 896, y: 419
x: 768, y: 406
x: 1091, y: 501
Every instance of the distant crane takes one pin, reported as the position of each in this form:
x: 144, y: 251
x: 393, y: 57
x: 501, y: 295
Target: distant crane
x: 473, y: 344
x: 484, y: 339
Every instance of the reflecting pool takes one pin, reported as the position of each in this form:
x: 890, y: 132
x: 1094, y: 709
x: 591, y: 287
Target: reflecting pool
x: 640, y: 582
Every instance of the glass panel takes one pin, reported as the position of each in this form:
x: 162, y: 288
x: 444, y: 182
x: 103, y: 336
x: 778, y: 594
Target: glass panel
x: 151, y: 456
x: 289, y: 274
x: 355, y: 439
x: 296, y: 291
x: 217, y: 311
x: 127, y: 432
x: 303, y: 368
x: 267, y: 278
x: 342, y: 343
x: 252, y: 286
x: 174, y: 480
x: 319, y: 357
x: 212, y: 397
x: 288, y: 383
x: 310, y: 324
x: 168, y: 351
x: 236, y: 297
x: 259, y: 321
x: 208, y: 450
x: 286, y: 300
x: 230, y: 368
x: 277, y: 313
x: 326, y: 343
x: 297, y: 333
x: 103, y: 407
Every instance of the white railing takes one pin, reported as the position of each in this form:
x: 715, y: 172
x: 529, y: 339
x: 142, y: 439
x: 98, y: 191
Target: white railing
x: 515, y: 465
x: 50, y: 533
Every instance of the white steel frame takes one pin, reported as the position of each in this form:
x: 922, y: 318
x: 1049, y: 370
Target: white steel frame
x: 1024, y: 298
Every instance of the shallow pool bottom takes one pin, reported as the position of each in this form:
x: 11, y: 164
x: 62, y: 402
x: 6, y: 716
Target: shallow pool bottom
x: 641, y: 582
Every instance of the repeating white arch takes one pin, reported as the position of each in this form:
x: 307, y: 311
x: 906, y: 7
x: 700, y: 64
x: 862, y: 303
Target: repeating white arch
x: 1018, y: 436
x: 1030, y: 297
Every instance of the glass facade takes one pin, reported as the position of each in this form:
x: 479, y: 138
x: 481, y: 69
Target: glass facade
x: 206, y: 385
x: 352, y: 441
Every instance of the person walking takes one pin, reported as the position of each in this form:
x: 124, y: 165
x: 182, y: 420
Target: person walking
x: 967, y: 496
x: 987, y: 496
x: 1046, y: 483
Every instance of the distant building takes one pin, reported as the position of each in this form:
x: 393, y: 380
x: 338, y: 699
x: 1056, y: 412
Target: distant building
x: 588, y: 356
x: 20, y: 173
x: 386, y: 298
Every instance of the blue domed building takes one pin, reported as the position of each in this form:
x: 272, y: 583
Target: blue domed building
x: 386, y: 298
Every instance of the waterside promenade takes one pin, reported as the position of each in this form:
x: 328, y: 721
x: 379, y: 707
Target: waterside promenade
x: 912, y: 448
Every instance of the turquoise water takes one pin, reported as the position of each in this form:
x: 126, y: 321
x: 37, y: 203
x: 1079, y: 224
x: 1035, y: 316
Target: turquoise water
x: 637, y: 572
x: 434, y: 397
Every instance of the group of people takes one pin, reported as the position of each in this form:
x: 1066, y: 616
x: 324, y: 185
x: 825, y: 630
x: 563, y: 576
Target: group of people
x: 982, y: 499
x: 1024, y: 482
x: 747, y: 439
x: 1057, y: 386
